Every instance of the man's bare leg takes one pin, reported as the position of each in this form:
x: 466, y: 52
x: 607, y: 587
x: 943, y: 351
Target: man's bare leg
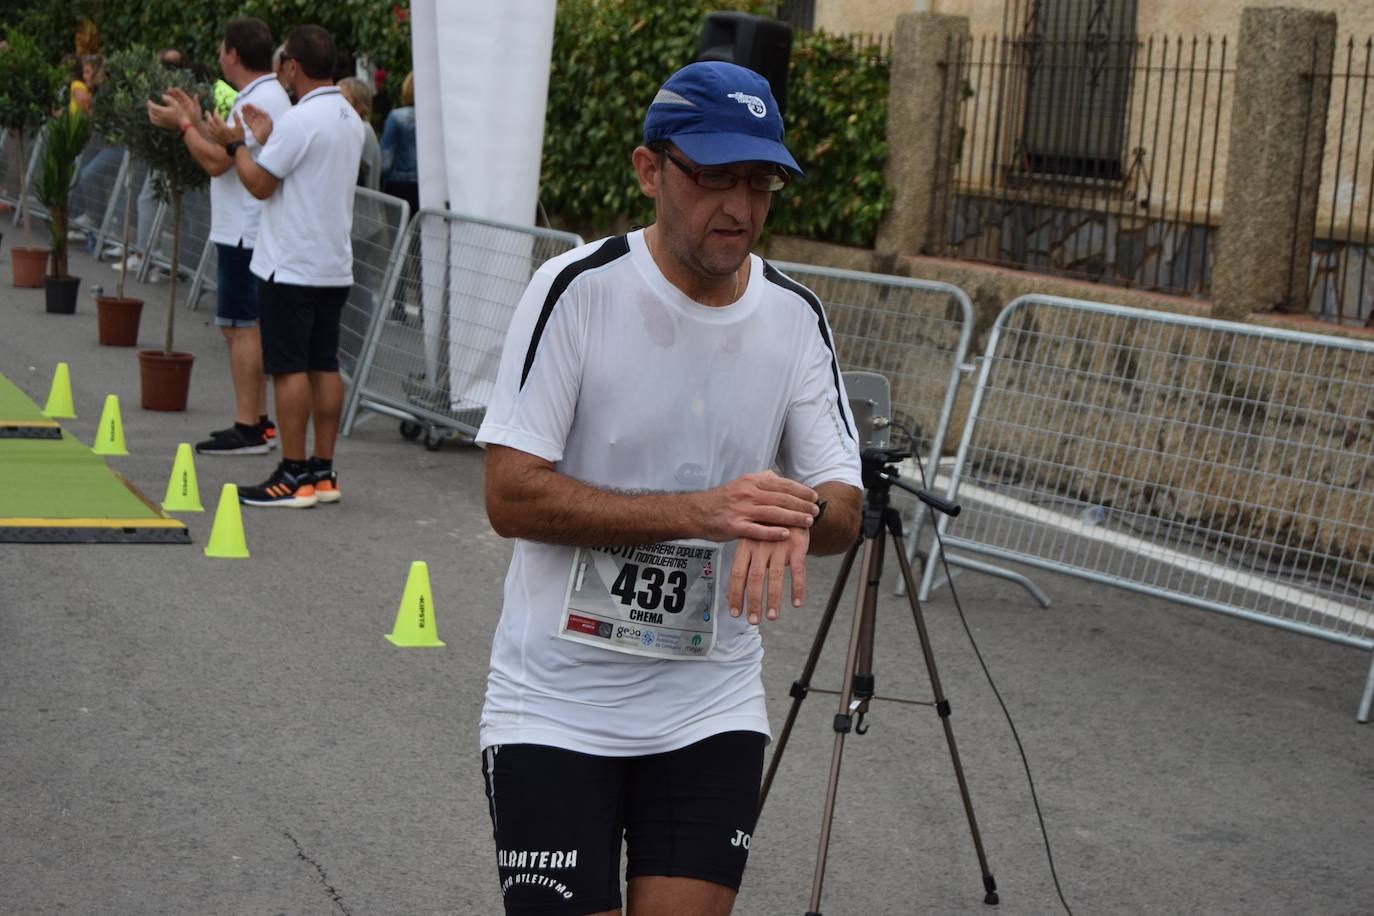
x: 656, y: 895
x: 245, y: 370
x: 327, y: 394
x: 294, y: 400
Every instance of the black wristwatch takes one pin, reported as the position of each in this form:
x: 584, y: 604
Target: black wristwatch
x: 232, y: 147
x: 820, y: 504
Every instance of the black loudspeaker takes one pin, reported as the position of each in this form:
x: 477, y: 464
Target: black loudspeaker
x: 762, y: 45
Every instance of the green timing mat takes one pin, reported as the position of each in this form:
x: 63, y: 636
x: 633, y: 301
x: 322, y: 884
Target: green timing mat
x: 20, y: 418
x: 55, y: 490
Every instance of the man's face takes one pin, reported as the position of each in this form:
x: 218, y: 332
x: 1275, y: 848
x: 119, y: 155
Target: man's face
x: 287, y: 74
x: 708, y: 232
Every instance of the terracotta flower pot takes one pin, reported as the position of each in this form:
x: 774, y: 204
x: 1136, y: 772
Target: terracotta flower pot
x: 118, y: 320
x: 165, y: 379
x: 29, y: 266
x: 61, y: 293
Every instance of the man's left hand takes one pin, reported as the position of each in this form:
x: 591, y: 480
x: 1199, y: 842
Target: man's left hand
x: 258, y: 121
x: 756, y: 561
x: 216, y: 129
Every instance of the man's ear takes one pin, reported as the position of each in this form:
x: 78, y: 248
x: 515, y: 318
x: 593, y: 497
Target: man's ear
x: 647, y: 169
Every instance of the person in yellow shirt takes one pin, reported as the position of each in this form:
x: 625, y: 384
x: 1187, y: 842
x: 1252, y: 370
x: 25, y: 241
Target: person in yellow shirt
x: 80, y: 93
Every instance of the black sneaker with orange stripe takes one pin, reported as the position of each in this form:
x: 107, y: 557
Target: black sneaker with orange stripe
x: 265, y: 427
x: 293, y: 491
x: 326, y: 483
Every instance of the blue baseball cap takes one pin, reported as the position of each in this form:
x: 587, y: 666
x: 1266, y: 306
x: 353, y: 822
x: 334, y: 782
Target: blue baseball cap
x: 719, y: 113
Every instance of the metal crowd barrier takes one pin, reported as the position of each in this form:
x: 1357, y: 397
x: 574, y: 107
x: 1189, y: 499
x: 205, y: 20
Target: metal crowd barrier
x: 1219, y: 465
x: 96, y: 196
x: 33, y: 146
x: 98, y: 174
x: 111, y: 228
x: 916, y: 333
x: 9, y: 169
x: 112, y: 233
x: 205, y: 279
x: 195, y: 232
x: 379, y: 221
x: 379, y: 231
x: 434, y: 339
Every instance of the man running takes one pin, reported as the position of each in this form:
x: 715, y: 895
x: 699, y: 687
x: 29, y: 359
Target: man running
x: 649, y: 384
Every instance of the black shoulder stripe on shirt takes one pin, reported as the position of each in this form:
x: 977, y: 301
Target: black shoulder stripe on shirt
x: 609, y: 251
x: 773, y: 275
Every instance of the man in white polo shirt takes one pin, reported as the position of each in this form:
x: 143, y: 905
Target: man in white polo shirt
x: 245, y: 59
x: 305, y: 175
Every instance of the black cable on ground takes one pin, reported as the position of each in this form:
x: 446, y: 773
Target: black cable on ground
x: 1025, y: 763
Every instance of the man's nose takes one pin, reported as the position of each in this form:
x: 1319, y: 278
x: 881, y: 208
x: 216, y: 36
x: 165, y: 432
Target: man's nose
x: 737, y: 201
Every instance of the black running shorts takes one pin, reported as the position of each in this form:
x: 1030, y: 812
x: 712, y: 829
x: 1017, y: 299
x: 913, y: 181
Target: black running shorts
x: 300, y: 326
x: 559, y: 816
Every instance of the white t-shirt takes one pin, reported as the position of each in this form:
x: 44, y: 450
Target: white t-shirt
x: 622, y: 381
x: 234, y: 213
x: 313, y: 151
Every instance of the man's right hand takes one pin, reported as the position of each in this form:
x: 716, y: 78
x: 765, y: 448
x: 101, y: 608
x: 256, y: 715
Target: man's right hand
x: 761, y: 506
x: 188, y: 106
x: 166, y: 116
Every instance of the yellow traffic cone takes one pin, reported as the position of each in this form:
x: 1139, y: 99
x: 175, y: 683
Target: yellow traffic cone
x: 182, y: 493
x: 226, y: 537
x: 416, y: 627
x: 59, y: 406
x: 109, y: 436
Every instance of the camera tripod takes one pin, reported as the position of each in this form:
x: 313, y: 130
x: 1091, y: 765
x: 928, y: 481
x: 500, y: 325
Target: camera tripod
x: 880, y: 520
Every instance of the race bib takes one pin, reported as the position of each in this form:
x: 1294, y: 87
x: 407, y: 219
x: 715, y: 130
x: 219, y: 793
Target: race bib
x: 654, y: 600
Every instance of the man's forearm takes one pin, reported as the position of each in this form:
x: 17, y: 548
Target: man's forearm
x: 261, y: 183
x: 208, y: 155
x: 556, y: 509
x: 528, y: 497
x: 839, y: 527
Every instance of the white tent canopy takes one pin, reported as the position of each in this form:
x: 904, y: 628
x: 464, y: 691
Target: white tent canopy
x: 481, y: 87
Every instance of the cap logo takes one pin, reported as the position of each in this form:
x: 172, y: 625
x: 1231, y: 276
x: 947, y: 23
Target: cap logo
x: 754, y: 103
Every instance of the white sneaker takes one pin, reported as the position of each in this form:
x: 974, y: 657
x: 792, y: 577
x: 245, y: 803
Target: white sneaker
x: 84, y: 222
x: 135, y: 262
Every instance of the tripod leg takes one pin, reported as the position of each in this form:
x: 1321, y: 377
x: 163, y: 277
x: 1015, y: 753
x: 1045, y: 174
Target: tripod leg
x: 942, y: 706
x: 864, y: 605
x: 802, y: 685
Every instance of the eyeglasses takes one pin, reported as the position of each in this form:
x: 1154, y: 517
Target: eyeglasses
x: 716, y: 180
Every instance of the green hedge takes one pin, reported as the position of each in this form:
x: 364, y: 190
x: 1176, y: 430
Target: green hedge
x: 380, y: 30
x: 837, y: 129
x: 610, y: 57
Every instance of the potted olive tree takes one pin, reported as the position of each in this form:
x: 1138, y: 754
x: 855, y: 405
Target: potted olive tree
x: 115, y: 115
x: 165, y: 374
x: 67, y: 135
x: 28, y: 91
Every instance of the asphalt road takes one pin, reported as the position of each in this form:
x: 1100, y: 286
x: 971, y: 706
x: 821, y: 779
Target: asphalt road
x: 184, y: 735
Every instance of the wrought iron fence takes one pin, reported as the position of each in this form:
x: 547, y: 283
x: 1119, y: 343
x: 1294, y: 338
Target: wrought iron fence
x: 1088, y: 156
x: 800, y: 14
x: 1340, y: 276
